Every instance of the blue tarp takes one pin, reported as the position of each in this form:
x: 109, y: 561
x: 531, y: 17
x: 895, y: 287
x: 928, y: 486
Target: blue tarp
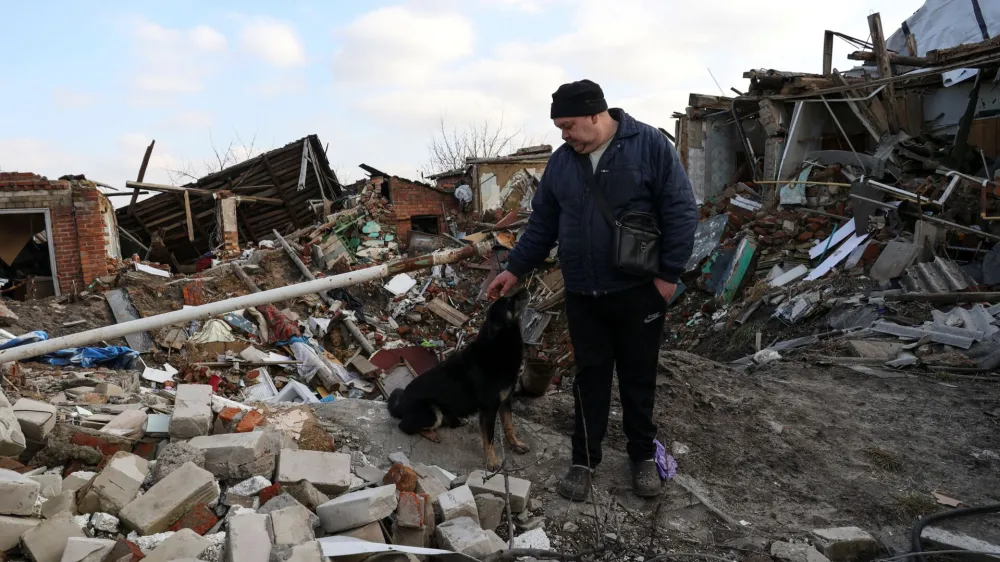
x: 113, y: 357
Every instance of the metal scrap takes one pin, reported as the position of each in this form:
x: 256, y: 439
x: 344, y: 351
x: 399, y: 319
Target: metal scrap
x: 937, y: 276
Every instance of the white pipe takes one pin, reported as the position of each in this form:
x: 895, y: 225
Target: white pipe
x: 254, y: 299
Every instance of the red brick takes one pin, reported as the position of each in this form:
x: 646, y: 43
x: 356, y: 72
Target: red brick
x: 805, y: 236
x: 402, y: 476
x: 229, y: 415
x: 251, y: 420
x: 200, y: 520
x: 268, y: 493
x: 410, y: 511
x: 145, y: 449
x: 105, y: 447
x: 10, y: 464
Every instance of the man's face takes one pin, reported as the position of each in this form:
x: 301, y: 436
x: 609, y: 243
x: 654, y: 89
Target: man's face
x: 581, y: 133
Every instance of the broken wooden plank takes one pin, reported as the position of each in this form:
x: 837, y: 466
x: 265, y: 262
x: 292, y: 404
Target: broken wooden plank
x: 449, y: 313
x: 124, y: 311
x: 884, y: 69
x: 187, y: 213
x: 198, y: 192
x: 141, y: 176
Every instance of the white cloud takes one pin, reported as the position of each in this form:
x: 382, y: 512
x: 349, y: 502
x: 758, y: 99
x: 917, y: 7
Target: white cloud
x: 73, y: 99
x: 171, y: 61
x: 273, y: 41
x: 398, y: 45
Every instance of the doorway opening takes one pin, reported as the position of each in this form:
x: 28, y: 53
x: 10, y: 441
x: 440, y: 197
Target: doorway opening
x: 27, y: 256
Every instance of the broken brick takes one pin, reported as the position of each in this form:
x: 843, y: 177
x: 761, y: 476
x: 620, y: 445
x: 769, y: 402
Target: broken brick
x: 251, y: 420
x: 125, y: 551
x: 145, y: 449
x: 402, y: 476
x: 106, y: 447
x: 10, y: 464
x: 804, y: 237
x: 200, y: 520
x: 271, y: 491
x: 410, y: 512
x: 813, y: 227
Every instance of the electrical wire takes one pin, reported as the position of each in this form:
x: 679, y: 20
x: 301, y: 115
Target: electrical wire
x: 916, y: 554
x: 918, y: 528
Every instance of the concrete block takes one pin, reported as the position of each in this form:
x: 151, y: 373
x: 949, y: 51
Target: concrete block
x: 291, y: 526
x: 249, y: 487
x: 535, y: 538
x: 37, y: 419
x: 410, y: 511
x: 104, y: 522
x: 441, y: 474
x: 458, y: 503
x: 18, y: 493
x: 51, y: 484
x: 942, y: 539
x: 192, y: 415
x: 306, y: 494
x: 307, y: 552
x: 357, y: 508
x: 846, y: 544
x: 169, y: 499
x: 330, y: 473
x: 409, y: 537
x: 182, y: 544
x: 77, y: 480
x: 238, y: 456
x: 86, y: 549
x: 371, y: 532
x: 115, y: 486
x: 520, y: 489
x: 63, y: 503
x: 491, y: 509
x: 249, y: 538
x: 47, y: 541
x: 464, y: 535
x: 129, y: 423
x: 282, y: 501
x: 175, y: 455
x: 124, y: 551
x: 431, y: 486
x: 796, y: 552
x: 372, y: 474
x: 12, y: 441
x: 11, y: 529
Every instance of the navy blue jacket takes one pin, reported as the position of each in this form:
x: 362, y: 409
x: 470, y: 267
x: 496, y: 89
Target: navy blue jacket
x: 639, y: 171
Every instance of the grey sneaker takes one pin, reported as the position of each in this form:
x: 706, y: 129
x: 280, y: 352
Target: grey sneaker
x: 575, y: 486
x: 645, y: 479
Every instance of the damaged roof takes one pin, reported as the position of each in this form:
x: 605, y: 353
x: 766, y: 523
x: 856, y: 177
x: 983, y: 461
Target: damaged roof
x: 274, y: 174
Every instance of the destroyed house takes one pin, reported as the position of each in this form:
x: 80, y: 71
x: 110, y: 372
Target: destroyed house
x: 416, y: 206
x: 55, y: 236
x: 282, y: 189
x: 502, y: 183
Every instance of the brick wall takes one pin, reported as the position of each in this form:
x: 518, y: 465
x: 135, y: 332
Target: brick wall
x: 410, y: 199
x: 78, y: 232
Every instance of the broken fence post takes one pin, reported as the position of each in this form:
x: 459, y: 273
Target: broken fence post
x: 207, y: 311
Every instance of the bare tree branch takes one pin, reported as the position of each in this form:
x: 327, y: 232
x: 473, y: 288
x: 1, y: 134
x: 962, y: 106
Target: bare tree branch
x: 451, y: 147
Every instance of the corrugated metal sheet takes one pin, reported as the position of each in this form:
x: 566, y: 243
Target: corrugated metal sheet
x: 274, y: 174
x: 977, y: 319
x: 938, y: 276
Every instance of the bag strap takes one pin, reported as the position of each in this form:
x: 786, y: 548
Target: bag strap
x: 595, y: 190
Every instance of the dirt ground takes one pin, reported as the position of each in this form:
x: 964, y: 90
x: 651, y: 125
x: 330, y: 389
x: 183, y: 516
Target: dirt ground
x: 793, y: 446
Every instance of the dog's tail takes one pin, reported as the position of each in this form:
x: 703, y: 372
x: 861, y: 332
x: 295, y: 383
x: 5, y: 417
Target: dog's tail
x: 396, y: 403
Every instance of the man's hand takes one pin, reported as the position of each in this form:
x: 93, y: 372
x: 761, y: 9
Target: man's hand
x: 501, y: 285
x: 665, y: 288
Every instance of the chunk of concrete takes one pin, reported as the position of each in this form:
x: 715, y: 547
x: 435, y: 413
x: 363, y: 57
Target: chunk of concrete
x: 490, y: 510
x: 458, y: 503
x: 357, y: 508
x: 115, y: 486
x: 86, y: 549
x: 291, y: 526
x: 175, y: 455
x: 306, y: 494
x: 441, y: 474
x: 535, y: 538
x: 410, y: 510
x: 249, y: 538
x: 417, y: 538
x: 496, y: 543
x: 169, y: 499
x: 11, y: 529
x: 330, y: 473
x: 182, y: 544
x: 192, y: 415
x: 12, y: 441
x: 129, y: 423
x: 51, y: 484
x: 311, y: 551
x: 283, y: 501
x: 77, y: 480
x: 371, y: 532
x: 37, y: 419
x: 464, y: 535
x: 950, y: 540
x: 431, y: 486
x: 520, y: 489
x: 249, y: 487
x: 796, y: 552
x: 18, y: 493
x: 63, y: 503
x: 104, y: 522
x: 238, y: 456
x: 47, y: 541
x: 846, y: 544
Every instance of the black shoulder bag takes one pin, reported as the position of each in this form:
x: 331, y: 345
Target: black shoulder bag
x: 636, y: 235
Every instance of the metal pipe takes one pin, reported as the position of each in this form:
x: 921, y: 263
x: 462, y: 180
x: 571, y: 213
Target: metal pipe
x: 207, y: 311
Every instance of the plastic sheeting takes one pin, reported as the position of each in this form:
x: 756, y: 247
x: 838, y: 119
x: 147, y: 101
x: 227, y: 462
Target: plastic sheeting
x: 113, y: 357
x: 940, y: 24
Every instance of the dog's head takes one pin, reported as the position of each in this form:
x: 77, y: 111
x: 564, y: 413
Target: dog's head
x: 506, y: 312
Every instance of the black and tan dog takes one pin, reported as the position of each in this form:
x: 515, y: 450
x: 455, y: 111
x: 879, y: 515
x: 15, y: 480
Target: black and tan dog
x: 479, y: 378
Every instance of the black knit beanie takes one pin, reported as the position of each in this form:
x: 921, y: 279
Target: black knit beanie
x: 578, y: 99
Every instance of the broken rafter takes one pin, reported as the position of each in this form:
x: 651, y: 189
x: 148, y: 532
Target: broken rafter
x: 199, y: 192
x: 281, y: 192
x: 884, y: 69
x: 142, y: 174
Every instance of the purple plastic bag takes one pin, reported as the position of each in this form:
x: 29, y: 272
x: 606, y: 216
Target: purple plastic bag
x: 665, y: 464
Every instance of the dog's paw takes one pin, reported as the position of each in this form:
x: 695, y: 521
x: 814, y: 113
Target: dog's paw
x: 520, y: 448
x: 493, y: 465
x: 431, y: 436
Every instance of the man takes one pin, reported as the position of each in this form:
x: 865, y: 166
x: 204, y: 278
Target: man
x: 615, y: 318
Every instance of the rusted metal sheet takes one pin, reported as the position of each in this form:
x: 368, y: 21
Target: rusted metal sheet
x: 249, y: 178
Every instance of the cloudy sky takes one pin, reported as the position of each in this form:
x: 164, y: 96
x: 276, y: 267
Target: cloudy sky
x: 87, y: 85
